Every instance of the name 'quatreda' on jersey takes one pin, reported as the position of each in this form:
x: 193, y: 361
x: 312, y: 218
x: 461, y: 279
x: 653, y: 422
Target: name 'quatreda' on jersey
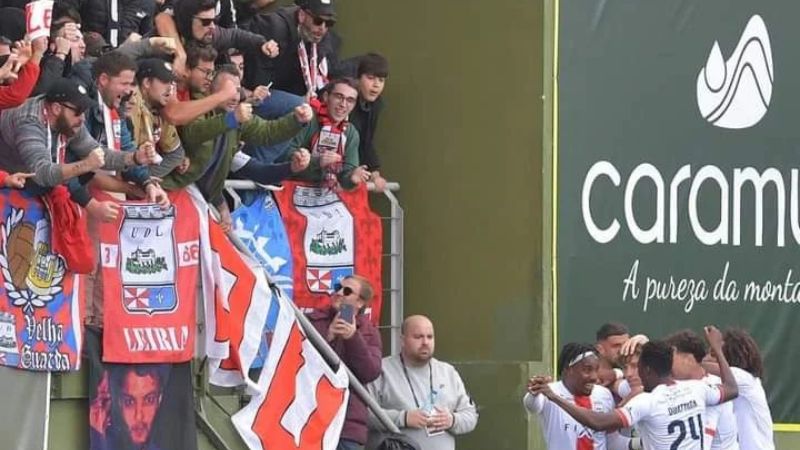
x: 671, y: 417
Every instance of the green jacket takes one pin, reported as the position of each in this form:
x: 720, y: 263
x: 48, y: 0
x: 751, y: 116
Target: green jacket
x: 200, y: 138
x: 314, y: 172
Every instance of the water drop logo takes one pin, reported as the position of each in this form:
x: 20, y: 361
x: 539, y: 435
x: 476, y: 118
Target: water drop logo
x: 735, y: 94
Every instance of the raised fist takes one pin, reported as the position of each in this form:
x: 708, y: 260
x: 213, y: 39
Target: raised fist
x: 270, y: 48
x: 303, y: 113
x: 300, y: 160
x: 147, y: 155
x: 244, y: 112
x: 96, y: 159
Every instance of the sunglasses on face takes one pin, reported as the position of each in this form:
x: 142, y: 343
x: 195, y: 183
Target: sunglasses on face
x: 318, y: 21
x: 346, y: 290
x: 205, y: 21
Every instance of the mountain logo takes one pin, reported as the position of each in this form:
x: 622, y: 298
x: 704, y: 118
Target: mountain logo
x: 735, y: 94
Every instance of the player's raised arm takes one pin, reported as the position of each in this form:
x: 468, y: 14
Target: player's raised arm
x: 729, y: 386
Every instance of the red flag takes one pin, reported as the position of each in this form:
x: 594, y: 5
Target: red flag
x: 150, y: 265
x: 236, y: 295
x: 332, y: 234
x: 303, y: 401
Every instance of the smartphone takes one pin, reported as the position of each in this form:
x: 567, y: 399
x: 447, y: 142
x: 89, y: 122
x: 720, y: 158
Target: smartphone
x: 347, y: 312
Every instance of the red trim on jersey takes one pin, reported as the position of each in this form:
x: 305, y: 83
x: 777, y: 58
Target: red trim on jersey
x: 584, y: 442
x: 625, y: 422
x: 711, y: 432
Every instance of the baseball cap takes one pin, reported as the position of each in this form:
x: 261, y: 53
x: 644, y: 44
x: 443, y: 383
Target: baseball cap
x: 155, y: 68
x: 319, y: 8
x: 65, y: 90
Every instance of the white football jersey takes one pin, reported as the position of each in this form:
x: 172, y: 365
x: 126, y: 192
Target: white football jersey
x: 671, y: 417
x: 561, y: 431
x: 752, y: 413
x: 720, y: 430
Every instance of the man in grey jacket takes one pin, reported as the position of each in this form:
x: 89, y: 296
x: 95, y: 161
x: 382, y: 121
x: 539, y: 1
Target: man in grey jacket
x: 423, y: 396
x: 36, y: 137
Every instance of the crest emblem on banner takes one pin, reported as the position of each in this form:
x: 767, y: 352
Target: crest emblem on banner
x: 32, y: 275
x: 329, y: 237
x: 148, y: 271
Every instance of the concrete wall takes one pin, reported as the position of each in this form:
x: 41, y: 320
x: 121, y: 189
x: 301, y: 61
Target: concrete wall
x: 462, y: 133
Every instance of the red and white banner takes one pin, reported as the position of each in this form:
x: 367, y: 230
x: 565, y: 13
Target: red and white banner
x: 303, y: 402
x: 332, y: 234
x: 38, y: 16
x: 236, y: 296
x: 149, y: 262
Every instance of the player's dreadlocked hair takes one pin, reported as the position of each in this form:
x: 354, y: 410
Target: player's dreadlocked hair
x: 571, y: 351
x: 742, y: 351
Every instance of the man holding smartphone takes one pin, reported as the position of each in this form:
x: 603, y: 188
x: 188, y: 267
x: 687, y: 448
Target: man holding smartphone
x: 353, y: 337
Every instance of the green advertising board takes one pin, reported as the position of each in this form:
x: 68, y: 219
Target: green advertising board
x: 676, y: 157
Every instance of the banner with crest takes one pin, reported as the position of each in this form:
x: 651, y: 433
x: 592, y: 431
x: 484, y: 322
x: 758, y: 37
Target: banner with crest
x: 332, y: 234
x: 150, y: 266
x: 40, y: 302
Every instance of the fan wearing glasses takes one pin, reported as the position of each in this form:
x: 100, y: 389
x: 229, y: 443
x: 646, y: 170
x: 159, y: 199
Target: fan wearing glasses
x: 212, y: 144
x: 45, y: 132
x: 308, y: 48
x: 195, y: 21
x: 332, y: 141
x: 352, y: 336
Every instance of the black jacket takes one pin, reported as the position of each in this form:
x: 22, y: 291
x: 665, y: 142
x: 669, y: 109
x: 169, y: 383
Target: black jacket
x: 284, y: 71
x: 365, y: 118
x: 134, y: 16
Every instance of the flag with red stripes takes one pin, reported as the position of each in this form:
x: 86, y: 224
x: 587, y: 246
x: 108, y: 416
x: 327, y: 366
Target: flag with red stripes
x: 235, y: 291
x: 302, y: 401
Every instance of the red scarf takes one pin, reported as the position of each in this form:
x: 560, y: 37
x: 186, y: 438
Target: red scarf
x: 68, y: 231
x: 330, y: 137
x: 584, y: 442
x: 315, y: 74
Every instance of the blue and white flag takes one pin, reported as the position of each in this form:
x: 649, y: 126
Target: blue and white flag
x: 260, y: 227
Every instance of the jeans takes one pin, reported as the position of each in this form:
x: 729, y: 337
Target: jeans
x: 277, y: 105
x: 345, y: 444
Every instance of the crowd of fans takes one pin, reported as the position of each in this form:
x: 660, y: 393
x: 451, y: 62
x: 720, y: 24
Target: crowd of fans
x: 167, y: 82
x: 133, y: 99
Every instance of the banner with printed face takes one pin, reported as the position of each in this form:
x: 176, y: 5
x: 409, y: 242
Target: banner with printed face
x: 333, y: 234
x: 40, y: 301
x: 150, y: 266
x: 138, y: 406
x: 677, y: 168
x: 260, y: 227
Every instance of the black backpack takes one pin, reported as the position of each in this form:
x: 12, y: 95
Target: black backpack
x: 392, y: 441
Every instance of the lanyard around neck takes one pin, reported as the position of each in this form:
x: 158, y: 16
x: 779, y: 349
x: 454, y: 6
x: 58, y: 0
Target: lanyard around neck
x: 410, y: 386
